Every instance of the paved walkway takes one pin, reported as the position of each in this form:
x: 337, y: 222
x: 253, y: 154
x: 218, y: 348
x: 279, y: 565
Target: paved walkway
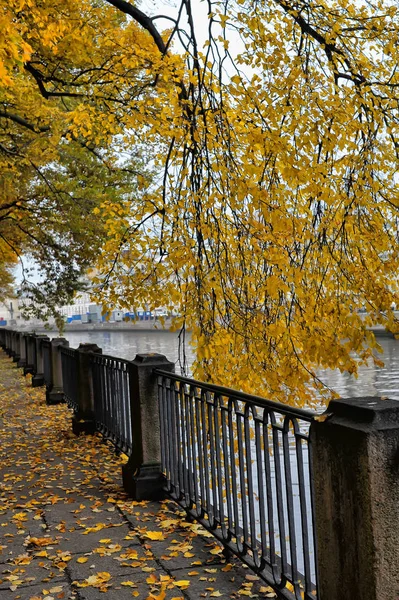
x: 68, y: 531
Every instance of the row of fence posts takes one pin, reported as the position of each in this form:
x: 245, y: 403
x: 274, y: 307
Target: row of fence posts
x: 41, y: 357
x: 355, y: 455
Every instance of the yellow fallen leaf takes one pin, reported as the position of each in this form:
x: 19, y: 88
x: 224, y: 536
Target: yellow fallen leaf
x: 182, y: 583
x: 215, y: 594
x: 129, y: 583
x: 21, y: 516
x: 97, y: 580
x: 97, y: 527
x: 154, y: 535
x: 34, y: 541
x: 168, y: 523
x: 24, y: 559
x: 160, y: 596
x: 82, y: 559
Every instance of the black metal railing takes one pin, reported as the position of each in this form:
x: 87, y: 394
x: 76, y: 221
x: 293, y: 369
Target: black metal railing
x: 69, y: 360
x: 241, y: 466
x: 112, y: 399
x: 46, y: 349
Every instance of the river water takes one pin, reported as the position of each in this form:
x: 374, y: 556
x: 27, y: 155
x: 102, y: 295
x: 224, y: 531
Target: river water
x: 372, y: 381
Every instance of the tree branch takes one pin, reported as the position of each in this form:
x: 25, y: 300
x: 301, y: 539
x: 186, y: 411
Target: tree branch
x: 21, y: 121
x: 142, y: 19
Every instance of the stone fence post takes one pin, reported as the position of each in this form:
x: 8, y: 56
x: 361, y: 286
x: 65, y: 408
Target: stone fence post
x: 83, y: 418
x: 142, y: 475
x: 9, y: 342
x: 55, y: 391
x: 355, y: 452
x: 14, y: 346
x: 22, y: 351
x: 38, y: 369
x: 30, y: 353
x: 17, y: 345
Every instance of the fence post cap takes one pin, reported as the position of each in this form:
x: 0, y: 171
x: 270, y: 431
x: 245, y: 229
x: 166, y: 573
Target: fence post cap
x: 88, y: 347
x: 377, y: 411
x: 150, y: 359
x: 58, y: 341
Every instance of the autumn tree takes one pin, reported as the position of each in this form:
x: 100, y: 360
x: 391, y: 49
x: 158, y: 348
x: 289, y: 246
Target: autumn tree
x: 61, y: 100
x: 275, y: 125
x: 281, y: 189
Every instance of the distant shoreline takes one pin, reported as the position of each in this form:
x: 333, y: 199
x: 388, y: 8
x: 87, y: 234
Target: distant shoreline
x: 152, y: 326
x: 149, y: 326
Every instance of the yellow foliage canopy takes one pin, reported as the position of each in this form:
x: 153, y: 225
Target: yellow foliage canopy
x: 276, y: 214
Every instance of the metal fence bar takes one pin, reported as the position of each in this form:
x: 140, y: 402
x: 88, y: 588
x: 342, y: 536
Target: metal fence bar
x: 240, y: 465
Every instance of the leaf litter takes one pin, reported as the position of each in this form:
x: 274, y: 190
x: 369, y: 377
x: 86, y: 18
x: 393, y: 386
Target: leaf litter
x: 57, y: 490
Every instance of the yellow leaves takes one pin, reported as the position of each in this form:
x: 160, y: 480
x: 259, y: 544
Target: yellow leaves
x: 182, y: 583
x: 99, y: 580
x: 268, y: 591
x: 154, y: 535
x: 23, y: 559
x: 167, y: 523
x: 82, y: 559
x: 160, y: 596
x: 21, y: 516
x: 95, y: 528
x: 34, y: 542
x: 56, y: 589
x: 216, y: 551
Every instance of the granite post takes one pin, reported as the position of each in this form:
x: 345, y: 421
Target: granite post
x: 55, y: 391
x: 83, y: 418
x: 142, y: 475
x: 22, y: 351
x: 17, y: 345
x: 355, y: 452
x: 30, y: 353
x: 38, y: 371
